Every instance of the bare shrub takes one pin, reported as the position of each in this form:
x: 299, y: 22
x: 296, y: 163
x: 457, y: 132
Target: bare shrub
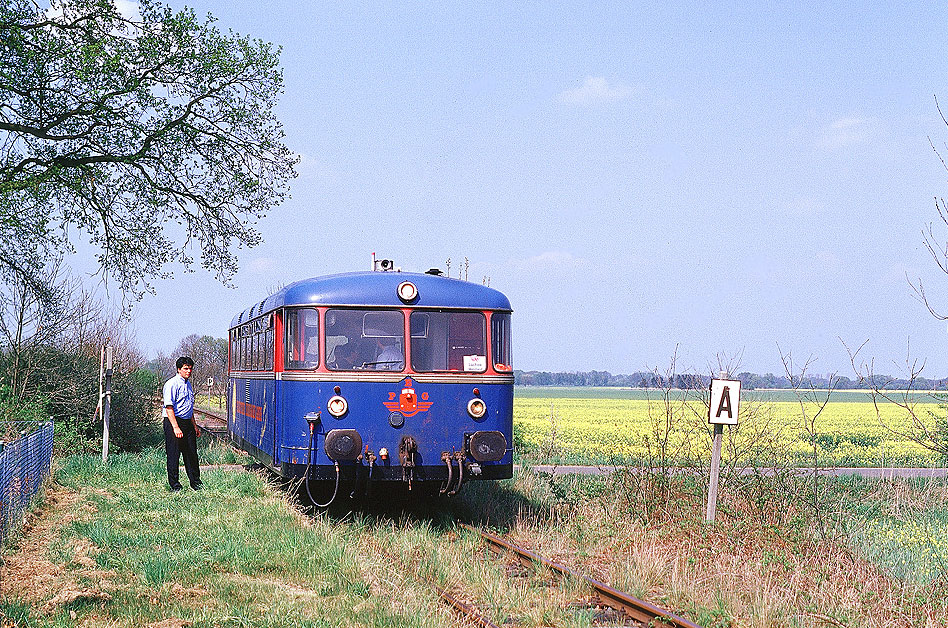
x: 50, y: 342
x: 655, y: 486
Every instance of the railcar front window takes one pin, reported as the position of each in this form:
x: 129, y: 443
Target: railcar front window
x: 365, y: 340
x: 500, y: 344
x: 448, y: 341
x: 302, y: 338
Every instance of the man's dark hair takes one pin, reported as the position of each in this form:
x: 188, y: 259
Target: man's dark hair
x: 182, y: 361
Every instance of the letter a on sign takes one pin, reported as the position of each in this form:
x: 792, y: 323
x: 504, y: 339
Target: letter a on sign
x: 725, y: 399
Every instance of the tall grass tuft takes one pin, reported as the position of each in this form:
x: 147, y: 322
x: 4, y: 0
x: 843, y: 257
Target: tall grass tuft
x: 157, y: 570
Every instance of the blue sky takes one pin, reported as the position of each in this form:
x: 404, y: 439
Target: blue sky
x: 636, y: 177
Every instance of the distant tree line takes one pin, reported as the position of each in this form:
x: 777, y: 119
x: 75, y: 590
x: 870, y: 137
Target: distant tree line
x: 639, y: 379
x: 749, y: 381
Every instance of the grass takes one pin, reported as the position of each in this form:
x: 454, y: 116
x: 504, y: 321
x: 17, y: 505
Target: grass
x: 785, y: 550
x: 240, y: 553
x: 754, y: 566
x: 908, y: 536
x: 111, y: 547
x: 236, y: 553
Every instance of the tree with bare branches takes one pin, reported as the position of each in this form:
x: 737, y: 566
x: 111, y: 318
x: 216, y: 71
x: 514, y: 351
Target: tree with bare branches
x: 936, y: 245
x: 924, y: 428
x: 915, y: 422
x: 210, y: 360
x: 812, y: 402
x: 50, y: 346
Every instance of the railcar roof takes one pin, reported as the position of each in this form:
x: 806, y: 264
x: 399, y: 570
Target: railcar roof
x: 379, y: 289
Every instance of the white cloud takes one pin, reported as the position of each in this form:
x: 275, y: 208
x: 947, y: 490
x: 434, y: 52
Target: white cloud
x: 261, y: 265
x: 310, y: 166
x: 899, y: 273
x: 848, y: 132
x: 594, y: 90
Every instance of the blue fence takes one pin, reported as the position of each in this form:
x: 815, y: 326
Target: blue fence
x: 24, y: 464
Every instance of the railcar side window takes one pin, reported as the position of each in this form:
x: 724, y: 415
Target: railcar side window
x: 500, y: 344
x: 251, y: 345
x: 365, y: 340
x: 268, y: 342
x: 448, y: 341
x: 302, y: 338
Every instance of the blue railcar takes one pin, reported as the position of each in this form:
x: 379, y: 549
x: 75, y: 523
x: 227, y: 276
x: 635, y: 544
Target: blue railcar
x: 375, y: 377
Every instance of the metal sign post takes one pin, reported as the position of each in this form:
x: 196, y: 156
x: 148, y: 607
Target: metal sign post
x: 106, y: 402
x: 723, y: 410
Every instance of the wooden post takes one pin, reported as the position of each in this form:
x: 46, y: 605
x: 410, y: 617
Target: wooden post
x: 715, y: 473
x: 98, y: 406
x: 722, y: 410
x: 106, y: 402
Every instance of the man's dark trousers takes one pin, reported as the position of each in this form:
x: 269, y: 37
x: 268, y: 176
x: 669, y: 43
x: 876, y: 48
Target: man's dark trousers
x: 185, y: 446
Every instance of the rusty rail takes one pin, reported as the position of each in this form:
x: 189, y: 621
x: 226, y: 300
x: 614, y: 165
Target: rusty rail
x: 464, y: 609
x: 211, y: 415
x: 217, y: 426
x: 637, y: 609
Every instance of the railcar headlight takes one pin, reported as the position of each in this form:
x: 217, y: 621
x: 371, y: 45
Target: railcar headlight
x: 337, y: 406
x: 476, y: 408
x: 407, y: 291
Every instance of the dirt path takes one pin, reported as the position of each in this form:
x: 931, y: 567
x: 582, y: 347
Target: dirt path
x: 28, y: 574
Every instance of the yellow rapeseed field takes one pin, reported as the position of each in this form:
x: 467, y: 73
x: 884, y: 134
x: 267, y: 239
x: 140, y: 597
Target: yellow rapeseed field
x: 600, y: 430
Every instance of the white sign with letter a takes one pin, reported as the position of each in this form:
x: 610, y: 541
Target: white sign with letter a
x: 725, y: 398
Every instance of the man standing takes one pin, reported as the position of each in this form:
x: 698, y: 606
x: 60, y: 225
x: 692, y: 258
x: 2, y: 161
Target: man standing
x: 180, y: 431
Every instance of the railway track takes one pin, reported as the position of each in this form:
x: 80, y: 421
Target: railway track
x: 466, y: 610
x: 639, y: 611
x: 211, y: 422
